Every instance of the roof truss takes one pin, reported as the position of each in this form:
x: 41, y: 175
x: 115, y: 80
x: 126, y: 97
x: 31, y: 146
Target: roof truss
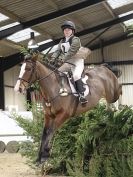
x: 48, y: 17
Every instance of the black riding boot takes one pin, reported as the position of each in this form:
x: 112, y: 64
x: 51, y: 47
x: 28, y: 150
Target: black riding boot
x: 81, y: 89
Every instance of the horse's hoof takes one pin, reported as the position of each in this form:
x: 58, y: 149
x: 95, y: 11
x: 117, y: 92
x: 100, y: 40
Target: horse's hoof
x: 43, y: 159
x: 37, y: 163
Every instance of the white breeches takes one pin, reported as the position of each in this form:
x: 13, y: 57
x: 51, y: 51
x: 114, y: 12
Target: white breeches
x: 76, y: 70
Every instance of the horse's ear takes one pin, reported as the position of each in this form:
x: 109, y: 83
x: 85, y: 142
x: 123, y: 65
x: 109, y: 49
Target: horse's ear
x: 35, y: 56
x: 27, y: 57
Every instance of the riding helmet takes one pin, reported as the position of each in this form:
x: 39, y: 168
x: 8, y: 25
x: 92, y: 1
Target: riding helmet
x: 68, y: 24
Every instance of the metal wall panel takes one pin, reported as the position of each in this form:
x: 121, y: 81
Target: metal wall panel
x: 119, y: 52
x: 127, y: 73
x: 94, y: 57
x: 11, y: 97
x: 127, y: 80
x: 127, y: 95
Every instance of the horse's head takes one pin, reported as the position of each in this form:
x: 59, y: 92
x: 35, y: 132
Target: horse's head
x: 27, y: 74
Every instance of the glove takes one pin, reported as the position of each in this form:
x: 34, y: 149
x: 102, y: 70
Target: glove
x: 60, y: 62
x: 52, y: 61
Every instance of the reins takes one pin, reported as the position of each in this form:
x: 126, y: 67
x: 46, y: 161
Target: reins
x: 33, y: 66
x: 55, y: 70
x: 43, y: 78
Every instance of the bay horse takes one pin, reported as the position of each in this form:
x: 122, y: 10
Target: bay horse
x: 57, y: 109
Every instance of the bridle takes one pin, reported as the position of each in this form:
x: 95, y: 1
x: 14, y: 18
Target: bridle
x: 33, y: 70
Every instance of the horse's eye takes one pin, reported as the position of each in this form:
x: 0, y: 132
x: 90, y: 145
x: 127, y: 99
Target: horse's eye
x: 28, y: 69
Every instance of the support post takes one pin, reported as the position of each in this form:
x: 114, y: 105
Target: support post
x: 2, y: 99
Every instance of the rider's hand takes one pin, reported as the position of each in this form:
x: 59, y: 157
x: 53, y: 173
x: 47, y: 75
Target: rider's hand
x: 52, y: 61
x: 62, y: 61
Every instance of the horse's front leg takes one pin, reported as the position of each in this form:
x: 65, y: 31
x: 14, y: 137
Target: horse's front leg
x: 51, y: 125
x: 47, y: 135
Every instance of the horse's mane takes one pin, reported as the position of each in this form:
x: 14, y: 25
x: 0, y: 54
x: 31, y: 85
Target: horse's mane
x: 48, y: 65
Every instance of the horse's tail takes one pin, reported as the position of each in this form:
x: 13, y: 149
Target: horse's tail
x: 115, y: 70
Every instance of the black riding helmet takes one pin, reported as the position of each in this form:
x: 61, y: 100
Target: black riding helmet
x: 68, y: 24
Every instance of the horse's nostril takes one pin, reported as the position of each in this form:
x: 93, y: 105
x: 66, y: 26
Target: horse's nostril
x: 20, y: 89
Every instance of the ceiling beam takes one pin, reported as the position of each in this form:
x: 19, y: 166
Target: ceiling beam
x: 111, y: 41
x: 48, y: 17
x: 106, y: 5
x: 105, y: 25
x: 12, y: 60
x: 110, y: 10
x: 90, y: 30
x: 14, y: 18
x: 81, y: 27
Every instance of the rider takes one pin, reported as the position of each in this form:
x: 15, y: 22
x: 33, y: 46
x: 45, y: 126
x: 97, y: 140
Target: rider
x: 66, y: 50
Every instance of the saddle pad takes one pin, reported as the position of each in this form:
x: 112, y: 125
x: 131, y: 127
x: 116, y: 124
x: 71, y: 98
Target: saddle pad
x: 84, y: 79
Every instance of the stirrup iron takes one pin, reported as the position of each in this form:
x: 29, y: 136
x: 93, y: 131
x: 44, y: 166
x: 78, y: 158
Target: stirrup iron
x: 63, y: 92
x: 82, y: 99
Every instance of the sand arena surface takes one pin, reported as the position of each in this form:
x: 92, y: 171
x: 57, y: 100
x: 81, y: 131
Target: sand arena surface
x: 14, y: 165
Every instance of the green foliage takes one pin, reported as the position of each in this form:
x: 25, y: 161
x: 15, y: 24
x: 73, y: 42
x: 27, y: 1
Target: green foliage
x: 33, y: 129
x: 101, y: 140
x: 130, y: 32
x: 24, y: 50
x: 98, y: 143
x: 104, y: 145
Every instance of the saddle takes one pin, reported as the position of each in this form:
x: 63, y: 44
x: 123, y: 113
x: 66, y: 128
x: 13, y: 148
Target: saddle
x: 73, y: 86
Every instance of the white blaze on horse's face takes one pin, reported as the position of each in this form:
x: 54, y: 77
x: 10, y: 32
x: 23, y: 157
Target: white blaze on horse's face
x: 20, y: 87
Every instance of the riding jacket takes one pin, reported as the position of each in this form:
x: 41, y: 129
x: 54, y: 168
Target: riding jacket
x: 69, y: 52
x: 67, y: 48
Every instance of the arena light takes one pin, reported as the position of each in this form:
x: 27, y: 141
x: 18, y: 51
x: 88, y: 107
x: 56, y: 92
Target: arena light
x: 22, y: 35
x: 32, y: 44
x: 3, y: 17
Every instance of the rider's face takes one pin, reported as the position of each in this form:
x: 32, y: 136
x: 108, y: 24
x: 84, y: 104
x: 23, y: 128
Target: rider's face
x: 67, y: 32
